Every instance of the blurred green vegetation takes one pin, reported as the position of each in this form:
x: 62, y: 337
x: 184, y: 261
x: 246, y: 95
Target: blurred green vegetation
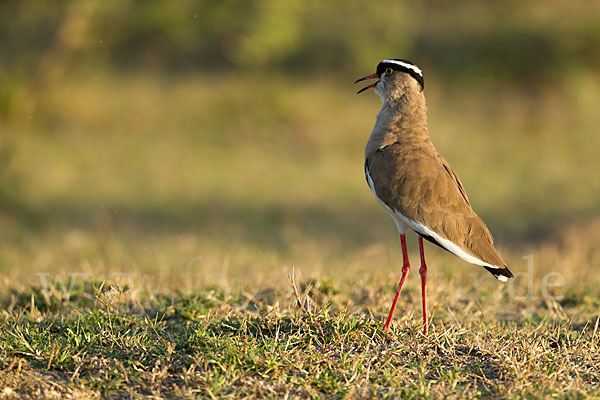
x: 525, y: 44
x: 508, y: 41
x: 140, y: 134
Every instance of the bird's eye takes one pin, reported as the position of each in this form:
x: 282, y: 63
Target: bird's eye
x: 389, y: 71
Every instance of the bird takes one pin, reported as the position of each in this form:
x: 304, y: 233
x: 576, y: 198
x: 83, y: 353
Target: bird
x: 415, y: 184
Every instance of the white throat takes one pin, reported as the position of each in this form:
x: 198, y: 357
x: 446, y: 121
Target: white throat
x: 379, y: 90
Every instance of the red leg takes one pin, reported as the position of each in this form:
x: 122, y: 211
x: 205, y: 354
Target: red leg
x: 405, y: 267
x: 423, y: 273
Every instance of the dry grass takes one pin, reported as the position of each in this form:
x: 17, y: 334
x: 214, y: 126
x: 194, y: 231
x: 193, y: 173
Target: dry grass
x: 108, y: 340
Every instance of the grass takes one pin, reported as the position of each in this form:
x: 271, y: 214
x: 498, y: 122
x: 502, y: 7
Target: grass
x: 104, y: 341
x: 150, y: 225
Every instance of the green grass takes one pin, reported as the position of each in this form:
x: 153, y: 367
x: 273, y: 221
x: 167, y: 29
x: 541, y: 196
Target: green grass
x: 149, y: 225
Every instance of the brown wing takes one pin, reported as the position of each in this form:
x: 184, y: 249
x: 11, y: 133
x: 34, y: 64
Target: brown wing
x: 462, y: 190
x: 419, y: 184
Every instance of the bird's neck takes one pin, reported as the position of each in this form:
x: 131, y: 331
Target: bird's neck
x: 402, y: 119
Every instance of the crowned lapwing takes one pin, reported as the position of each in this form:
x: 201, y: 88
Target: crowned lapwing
x: 415, y: 184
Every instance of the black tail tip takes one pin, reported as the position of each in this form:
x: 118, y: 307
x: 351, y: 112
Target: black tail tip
x: 502, y: 274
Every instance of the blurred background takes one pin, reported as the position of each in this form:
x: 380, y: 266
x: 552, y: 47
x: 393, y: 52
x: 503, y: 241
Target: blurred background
x: 197, y: 143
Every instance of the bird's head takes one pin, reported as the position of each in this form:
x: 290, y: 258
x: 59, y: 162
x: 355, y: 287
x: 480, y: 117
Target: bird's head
x: 395, y: 77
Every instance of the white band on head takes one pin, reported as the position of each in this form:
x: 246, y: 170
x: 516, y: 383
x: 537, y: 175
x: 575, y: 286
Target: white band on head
x: 405, y: 65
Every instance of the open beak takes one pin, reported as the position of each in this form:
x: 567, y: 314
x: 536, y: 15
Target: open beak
x: 372, y: 76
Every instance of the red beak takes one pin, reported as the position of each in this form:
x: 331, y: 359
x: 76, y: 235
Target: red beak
x: 369, y: 86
